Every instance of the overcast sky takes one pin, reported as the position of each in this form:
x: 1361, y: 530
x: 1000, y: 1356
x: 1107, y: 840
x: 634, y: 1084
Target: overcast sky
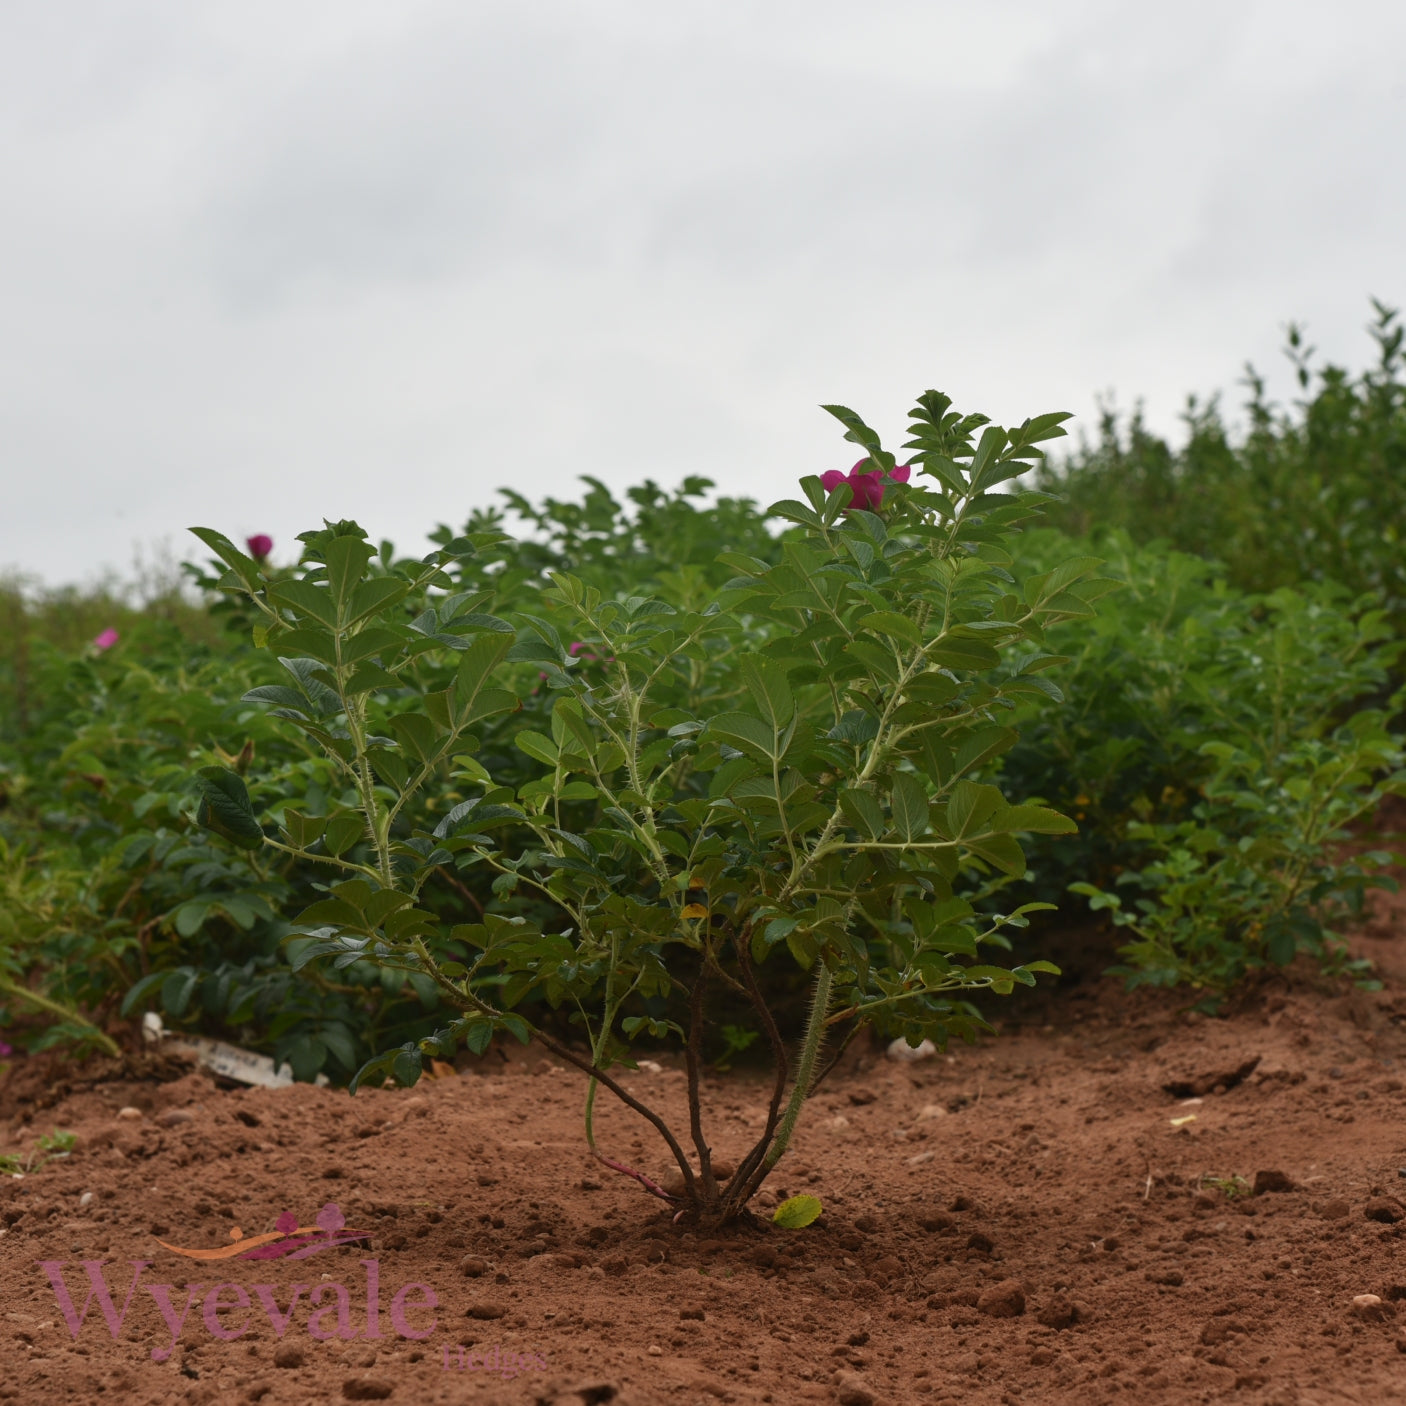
x: 272, y: 261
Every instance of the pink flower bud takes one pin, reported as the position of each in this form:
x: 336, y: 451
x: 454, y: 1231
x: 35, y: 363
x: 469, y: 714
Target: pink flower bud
x: 107, y: 639
x: 260, y: 545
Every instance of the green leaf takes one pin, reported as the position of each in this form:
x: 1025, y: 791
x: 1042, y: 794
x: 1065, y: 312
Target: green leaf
x: 1037, y: 820
x: 317, y: 643
x: 797, y: 1212
x: 225, y: 807
x: 766, y: 681
x: 306, y: 598
x: 899, y: 627
x: 862, y: 810
x: 407, y: 1066
x: 418, y: 735
x: 1002, y: 851
x: 476, y: 663
x: 346, y: 559
x: 177, y: 989
x: 343, y: 829
x: 538, y: 747
x: 246, y: 568
x: 746, y: 733
x: 909, y: 803
x: 375, y: 595
x: 970, y: 806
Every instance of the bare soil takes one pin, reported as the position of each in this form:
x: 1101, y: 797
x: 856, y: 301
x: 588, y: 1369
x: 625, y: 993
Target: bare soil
x: 1047, y: 1218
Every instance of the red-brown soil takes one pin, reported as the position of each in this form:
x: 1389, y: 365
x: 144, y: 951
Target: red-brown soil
x: 1048, y: 1176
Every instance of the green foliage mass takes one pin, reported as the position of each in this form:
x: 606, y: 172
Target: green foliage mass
x: 1217, y: 749
x: 1216, y: 730
x: 1312, y: 493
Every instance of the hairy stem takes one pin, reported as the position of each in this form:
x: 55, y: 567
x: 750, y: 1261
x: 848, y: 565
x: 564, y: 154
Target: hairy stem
x: 805, y: 1067
x: 107, y: 1044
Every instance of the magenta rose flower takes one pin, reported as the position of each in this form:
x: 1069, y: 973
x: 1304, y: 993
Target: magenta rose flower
x: 260, y: 545
x: 866, y: 488
x: 107, y: 639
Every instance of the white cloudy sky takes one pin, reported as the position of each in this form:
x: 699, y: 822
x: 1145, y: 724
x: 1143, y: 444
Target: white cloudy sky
x: 272, y: 261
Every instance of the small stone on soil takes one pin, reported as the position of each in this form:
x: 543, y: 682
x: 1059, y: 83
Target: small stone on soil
x: 852, y: 1390
x: 1386, y: 1209
x: 1272, y: 1181
x: 1371, y: 1309
x: 289, y: 1355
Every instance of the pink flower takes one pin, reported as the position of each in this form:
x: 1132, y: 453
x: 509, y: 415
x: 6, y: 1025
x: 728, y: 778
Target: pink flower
x: 867, y: 488
x: 107, y: 639
x: 5, y: 1050
x: 260, y: 545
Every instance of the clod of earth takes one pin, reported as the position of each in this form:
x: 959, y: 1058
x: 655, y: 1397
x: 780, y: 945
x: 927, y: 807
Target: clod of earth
x: 1003, y: 1300
x: 366, y: 1389
x: 1386, y: 1209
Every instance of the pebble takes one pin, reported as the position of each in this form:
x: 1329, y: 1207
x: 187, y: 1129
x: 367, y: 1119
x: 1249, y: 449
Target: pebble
x: 654, y: 1350
x: 133, y: 1114
x: 1371, y: 1309
x: 85, y: 1200
x: 852, y: 1390
x: 672, y: 1180
x: 174, y: 1117
x: 485, y: 1310
x: 1003, y: 1300
x: 474, y: 1266
x: 902, y: 1051
x: 929, y: 1111
x: 289, y: 1355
